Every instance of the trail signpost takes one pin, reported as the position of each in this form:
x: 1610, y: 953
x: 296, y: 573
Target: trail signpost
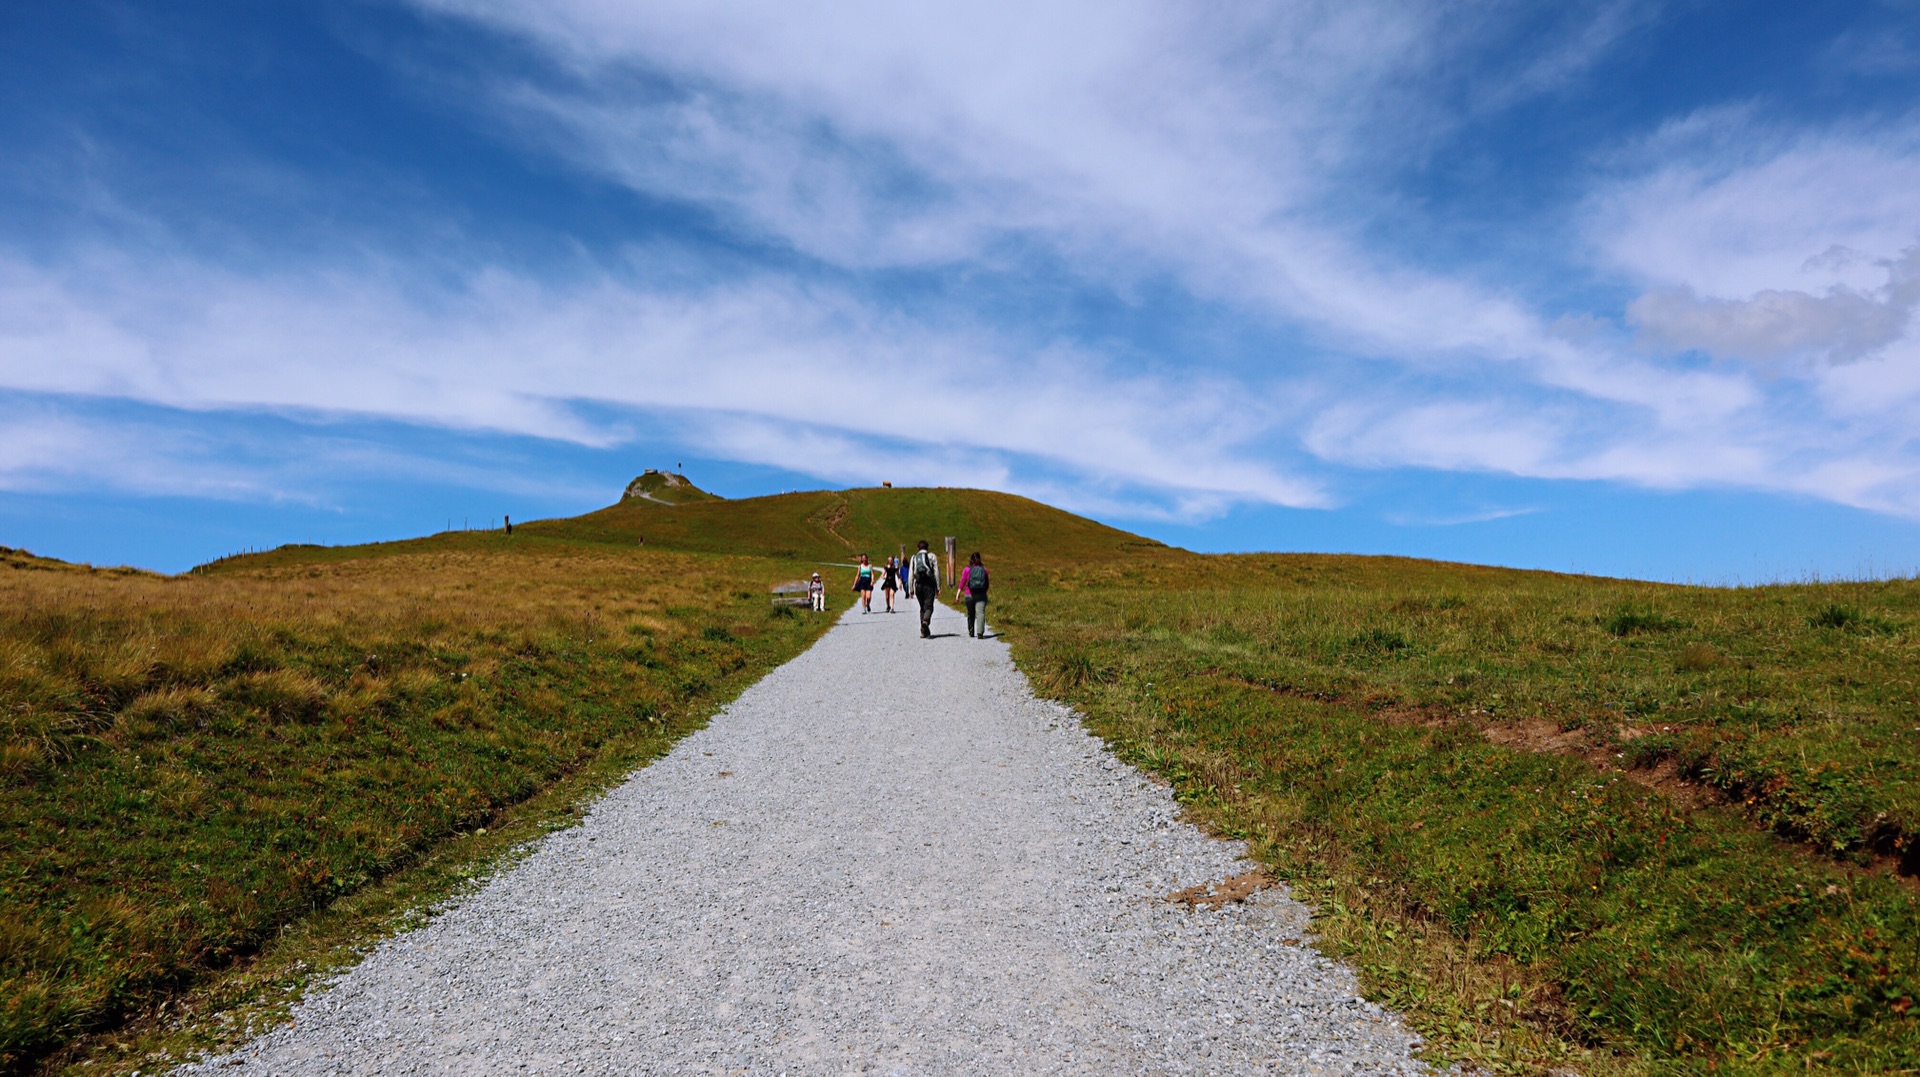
x: 950, y: 544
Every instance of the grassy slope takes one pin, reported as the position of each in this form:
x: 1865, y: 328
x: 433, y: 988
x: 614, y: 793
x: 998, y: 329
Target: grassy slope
x: 663, y: 489
x: 189, y: 764
x: 1338, y: 710
x: 1526, y: 908
x: 834, y: 526
x: 1335, y: 710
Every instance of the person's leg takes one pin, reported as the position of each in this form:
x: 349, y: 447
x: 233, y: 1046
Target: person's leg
x: 970, y: 606
x: 982, y: 633
x: 926, y: 612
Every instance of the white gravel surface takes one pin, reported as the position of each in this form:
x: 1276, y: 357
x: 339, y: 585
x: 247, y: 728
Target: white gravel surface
x: 886, y: 857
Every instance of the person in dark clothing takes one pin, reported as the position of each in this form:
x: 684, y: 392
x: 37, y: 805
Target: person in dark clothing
x: 972, y: 589
x: 924, y: 570
x: 892, y: 582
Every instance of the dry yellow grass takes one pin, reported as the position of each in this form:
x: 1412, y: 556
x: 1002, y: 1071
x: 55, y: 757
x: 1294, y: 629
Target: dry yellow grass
x: 187, y: 764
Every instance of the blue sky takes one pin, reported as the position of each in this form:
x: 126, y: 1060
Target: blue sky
x: 1618, y: 287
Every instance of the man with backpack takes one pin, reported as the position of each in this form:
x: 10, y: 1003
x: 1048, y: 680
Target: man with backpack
x: 972, y: 590
x: 924, y: 571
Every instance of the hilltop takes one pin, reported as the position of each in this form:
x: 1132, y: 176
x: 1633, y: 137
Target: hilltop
x: 665, y: 488
x: 835, y: 526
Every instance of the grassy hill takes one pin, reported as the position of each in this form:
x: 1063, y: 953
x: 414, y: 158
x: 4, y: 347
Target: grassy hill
x: 665, y: 488
x: 191, y: 767
x: 835, y: 526
x: 1562, y: 820
x: 1559, y: 820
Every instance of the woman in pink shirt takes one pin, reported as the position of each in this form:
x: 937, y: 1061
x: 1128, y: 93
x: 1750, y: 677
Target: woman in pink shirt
x: 973, y: 591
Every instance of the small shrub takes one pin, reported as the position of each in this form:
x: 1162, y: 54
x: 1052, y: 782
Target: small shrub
x: 1850, y: 619
x: 1076, y: 668
x: 1229, y: 635
x: 1379, y: 641
x: 281, y: 694
x: 167, y: 709
x: 1627, y: 620
x: 717, y: 634
x: 1835, y: 616
x: 250, y: 657
x: 1697, y: 658
x: 18, y: 761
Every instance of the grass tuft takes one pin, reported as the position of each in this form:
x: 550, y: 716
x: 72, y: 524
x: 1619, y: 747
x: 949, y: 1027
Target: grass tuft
x: 1628, y: 620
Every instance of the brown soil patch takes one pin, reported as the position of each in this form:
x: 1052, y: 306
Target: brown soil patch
x: 833, y: 518
x: 1234, y: 888
x: 1591, y: 744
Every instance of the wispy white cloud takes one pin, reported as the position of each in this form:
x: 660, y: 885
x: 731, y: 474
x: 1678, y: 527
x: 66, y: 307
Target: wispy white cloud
x: 1797, y: 249
x: 1233, y: 157
x: 1483, y: 516
x: 68, y: 444
x: 1729, y: 203
x: 1134, y: 139
x: 45, y: 450
x: 511, y: 355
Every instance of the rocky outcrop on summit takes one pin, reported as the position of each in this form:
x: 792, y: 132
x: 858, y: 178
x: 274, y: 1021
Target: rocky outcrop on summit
x: 666, y: 488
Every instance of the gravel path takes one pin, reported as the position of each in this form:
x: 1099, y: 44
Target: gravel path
x: 886, y: 857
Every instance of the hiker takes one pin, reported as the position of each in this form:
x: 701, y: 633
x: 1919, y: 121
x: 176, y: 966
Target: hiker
x: 924, y: 572
x: 817, y: 593
x: 863, y: 584
x: 892, y: 582
x: 972, y: 589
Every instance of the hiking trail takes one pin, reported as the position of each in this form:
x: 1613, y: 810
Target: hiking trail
x: 885, y: 857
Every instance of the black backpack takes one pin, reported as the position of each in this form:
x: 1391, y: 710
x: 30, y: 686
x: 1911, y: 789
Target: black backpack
x: 977, y: 580
x: 923, y: 572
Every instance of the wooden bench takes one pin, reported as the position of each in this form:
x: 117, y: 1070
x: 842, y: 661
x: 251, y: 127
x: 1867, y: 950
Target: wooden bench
x: 792, y: 593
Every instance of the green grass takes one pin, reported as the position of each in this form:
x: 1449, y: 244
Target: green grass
x: 1364, y: 722
x: 836, y: 526
x: 1332, y: 710
x: 663, y: 488
x: 190, y: 765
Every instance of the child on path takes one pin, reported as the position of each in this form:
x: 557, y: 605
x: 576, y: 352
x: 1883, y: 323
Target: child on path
x: 924, y: 571
x: 863, y: 584
x: 892, y: 582
x: 972, y: 590
x: 817, y: 593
